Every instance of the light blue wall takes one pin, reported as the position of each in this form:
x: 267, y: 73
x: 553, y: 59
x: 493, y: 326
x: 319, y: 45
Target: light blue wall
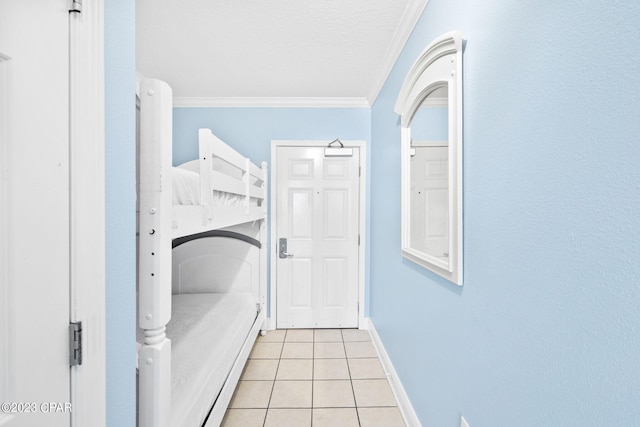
x: 251, y: 130
x: 546, y: 329
x: 430, y: 124
x: 120, y: 74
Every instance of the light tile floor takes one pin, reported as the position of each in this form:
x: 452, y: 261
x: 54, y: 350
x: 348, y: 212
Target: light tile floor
x: 313, y: 377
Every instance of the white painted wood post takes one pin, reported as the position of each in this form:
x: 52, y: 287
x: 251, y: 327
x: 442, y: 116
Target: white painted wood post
x: 247, y: 178
x: 206, y: 166
x: 263, y: 243
x: 154, y: 272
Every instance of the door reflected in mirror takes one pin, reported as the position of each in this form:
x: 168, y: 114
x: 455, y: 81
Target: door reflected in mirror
x: 429, y: 170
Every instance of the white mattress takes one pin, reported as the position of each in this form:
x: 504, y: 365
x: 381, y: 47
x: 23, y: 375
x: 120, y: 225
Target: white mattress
x: 207, y: 332
x: 186, y: 187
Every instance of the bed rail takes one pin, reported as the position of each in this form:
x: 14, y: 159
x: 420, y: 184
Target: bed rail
x: 224, y: 169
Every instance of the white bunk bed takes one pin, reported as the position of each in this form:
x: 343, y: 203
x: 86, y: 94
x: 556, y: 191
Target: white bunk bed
x: 201, y: 270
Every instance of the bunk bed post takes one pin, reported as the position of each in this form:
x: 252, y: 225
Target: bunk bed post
x: 154, y: 253
x: 154, y: 384
x: 247, y: 178
x: 264, y: 247
x: 206, y: 166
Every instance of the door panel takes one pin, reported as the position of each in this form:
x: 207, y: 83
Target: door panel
x: 336, y: 169
x: 318, y: 214
x: 302, y: 270
x: 301, y: 205
x: 34, y: 138
x: 336, y: 211
x: 335, y: 280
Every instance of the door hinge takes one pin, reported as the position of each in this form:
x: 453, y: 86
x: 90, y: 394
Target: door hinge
x: 359, y: 170
x: 76, y: 6
x: 358, y: 240
x: 75, y: 344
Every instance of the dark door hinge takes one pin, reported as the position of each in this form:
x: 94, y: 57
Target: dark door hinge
x: 75, y: 344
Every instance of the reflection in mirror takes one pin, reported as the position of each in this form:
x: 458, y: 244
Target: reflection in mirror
x: 430, y: 105
x: 429, y: 197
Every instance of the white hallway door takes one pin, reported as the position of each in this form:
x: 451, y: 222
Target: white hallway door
x: 34, y: 213
x: 318, y: 215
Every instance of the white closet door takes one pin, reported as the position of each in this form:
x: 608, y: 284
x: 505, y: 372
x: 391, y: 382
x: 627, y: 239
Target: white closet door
x: 34, y: 213
x: 317, y: 212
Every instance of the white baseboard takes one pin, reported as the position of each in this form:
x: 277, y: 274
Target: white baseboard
x: 404, y: 404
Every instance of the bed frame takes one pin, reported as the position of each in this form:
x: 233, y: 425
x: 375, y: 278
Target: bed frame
x: 161, y: 222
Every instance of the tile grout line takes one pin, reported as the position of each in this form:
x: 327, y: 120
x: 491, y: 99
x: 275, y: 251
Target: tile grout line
x: 273, y: 386
x: 346, y: 356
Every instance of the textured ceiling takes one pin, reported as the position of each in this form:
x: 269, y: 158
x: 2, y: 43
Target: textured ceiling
x: 272, y: 48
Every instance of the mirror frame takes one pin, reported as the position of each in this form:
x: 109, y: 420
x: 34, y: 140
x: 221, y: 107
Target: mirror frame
x: 439, y: 64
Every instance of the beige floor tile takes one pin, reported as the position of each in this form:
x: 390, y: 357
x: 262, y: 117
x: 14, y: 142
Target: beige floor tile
x: 299, y: 335
x: 291, y: 394
x: 327, y: 335
x: 288, y: 418
x: 335, y: 417
x: 328, y: 350
x: 355, y: 335
x: 311, y: 370
x: 333, y: 394
x: 380, y: 417
x: 295, y: 369
x: 360, y: 349
x: 260, y: 369
x: 252, y: 394
x: 273, y: 336
x: 297, y: 350
x: 244, y: 418
x: 366, y: 369
x: 373, y: 393
x: 266, y: 350
x: 330, y: 369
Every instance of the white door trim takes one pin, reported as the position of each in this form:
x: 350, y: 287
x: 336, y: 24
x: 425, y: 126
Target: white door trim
x: 273, y: 247
x: 6, y: 380
x: 87, y: 210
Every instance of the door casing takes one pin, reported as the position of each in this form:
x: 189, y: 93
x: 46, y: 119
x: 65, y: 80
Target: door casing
x: 86, y: 215
x: 273, y: 246
x: 87, y: 211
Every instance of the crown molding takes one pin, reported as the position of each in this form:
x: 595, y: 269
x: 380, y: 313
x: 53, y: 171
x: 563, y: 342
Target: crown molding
x: 270, y: 102
x: 407, y: 23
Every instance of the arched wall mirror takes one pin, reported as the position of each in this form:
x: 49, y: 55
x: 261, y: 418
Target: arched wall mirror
x: 430, y: 104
